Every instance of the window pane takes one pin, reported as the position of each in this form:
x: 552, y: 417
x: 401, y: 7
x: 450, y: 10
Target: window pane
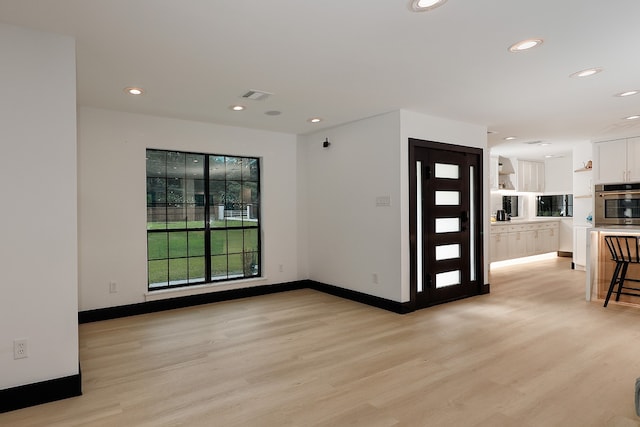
x: 448, y: 278
x: 447, y: 198
x: 195, y: 166
x: 157, y: 246
x: 178, y: 245
x: 156, y: 190
x: 250, y: 265
x: 196, y: 269
x: 157, y: 217
x: 194, y: 191
x: 176, y: 164
x: 218, y: 242
x: 176, y: 194
x: 250, y: 192
x: 219, y: 267
x: 251, y: 240
x: 233, y: 196
x: 156, y: 202
x: 217, y: 168
x: 195, y: 216
x: 234, y: 168
x: 176, y: 216
x: 196, y: 243
x: 236, y: 265
x: 250, y: 171
x: 158, y: 272
x: 447, y: 225
x: 235, y: 241
x: 178, y: 271
x: 447, y: 252
x: 156, y: 163
x: 444, y: 170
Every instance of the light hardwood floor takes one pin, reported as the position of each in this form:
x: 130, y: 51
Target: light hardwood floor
x: 531, y: 353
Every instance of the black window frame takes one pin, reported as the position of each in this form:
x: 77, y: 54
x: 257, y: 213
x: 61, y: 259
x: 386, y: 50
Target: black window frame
x: 206, y: 206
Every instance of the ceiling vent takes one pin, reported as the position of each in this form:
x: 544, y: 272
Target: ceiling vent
x: 533, y: 142
x: 256, y: 95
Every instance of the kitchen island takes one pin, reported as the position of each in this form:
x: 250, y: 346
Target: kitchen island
x: 600, y: 266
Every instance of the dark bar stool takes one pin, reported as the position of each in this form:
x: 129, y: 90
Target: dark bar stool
x: 624, y: 251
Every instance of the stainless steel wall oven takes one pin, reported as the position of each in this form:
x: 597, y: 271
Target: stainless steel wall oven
x: 617, y: 204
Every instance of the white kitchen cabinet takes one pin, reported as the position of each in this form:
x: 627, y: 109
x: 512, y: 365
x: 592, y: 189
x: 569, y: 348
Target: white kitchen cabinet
x: 530, y: 176
x: 547, y: 239
x: 617, y: 161
x: 518, y: 242
x: 510, y: 241
x: 498, y: 246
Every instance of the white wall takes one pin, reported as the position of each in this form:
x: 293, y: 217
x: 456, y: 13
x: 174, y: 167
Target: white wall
x: 350, y: 238
x: 38, y: 247
x: 558, y: 175
x: 112, y: 200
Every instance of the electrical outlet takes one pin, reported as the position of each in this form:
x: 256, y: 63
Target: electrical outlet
x: 113, y: 287
x: 374, y: 278
x: 281, y: 268
x: 20, y: 349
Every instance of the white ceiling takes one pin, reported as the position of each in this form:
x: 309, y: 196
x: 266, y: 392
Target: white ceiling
x: 344, y: 60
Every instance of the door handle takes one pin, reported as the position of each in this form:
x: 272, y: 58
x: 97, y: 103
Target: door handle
x: 464, y: 217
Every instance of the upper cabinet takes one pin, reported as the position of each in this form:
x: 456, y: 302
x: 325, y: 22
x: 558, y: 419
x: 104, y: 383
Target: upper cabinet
x: 530, y: 176
x: 617, y: 161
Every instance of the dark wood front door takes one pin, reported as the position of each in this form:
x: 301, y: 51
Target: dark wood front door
x: 445, y: 222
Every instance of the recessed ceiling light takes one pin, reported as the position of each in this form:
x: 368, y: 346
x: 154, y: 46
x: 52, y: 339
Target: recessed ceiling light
x: 510, y: 138
x: 315, y: 120
x: 424, y: 5
x: 627, y: 93
x: 525, y: 45
x: 586, y: 73
x: 134, y: 90
x: 236, y: 107
x: 632, y: 118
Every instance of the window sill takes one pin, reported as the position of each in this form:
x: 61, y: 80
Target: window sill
x: 203, y: 289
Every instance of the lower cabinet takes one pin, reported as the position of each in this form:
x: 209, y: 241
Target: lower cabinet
x: 516, y: 241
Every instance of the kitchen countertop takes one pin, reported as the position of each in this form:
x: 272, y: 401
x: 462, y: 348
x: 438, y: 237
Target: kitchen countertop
x: 527, y: 221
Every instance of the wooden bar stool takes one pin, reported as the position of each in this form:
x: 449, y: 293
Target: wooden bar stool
x: 624, y: 251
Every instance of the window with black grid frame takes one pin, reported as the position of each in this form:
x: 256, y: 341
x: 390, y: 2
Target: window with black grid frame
x: 203, y: 218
